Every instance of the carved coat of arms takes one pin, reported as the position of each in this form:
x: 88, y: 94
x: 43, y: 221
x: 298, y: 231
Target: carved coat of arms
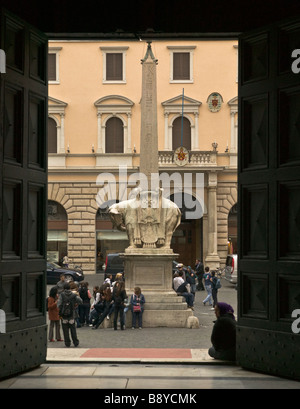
x: 181, y: 156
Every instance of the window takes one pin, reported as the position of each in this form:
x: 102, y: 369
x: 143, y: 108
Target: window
x: 118, y: 108
x: 53, y: 65
x: 185, y: 126
x: 173, y: 115
x: 114, y: 64
x: 181, y: 64
x: 52, y: 136
x: 114, y: 136
x: 114, y: 67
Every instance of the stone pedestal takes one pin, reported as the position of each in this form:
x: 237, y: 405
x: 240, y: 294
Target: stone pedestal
x: 152, y: 272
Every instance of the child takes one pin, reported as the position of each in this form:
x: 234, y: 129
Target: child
x: 53, y: 315
x: 137, y: 302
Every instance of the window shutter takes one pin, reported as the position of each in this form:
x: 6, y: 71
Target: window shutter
x: 51, y: 67
x: 176, y: 134
x: 114, y: 66
x: 52, y: 136
x: 181, y: 66
x: 114, y: 140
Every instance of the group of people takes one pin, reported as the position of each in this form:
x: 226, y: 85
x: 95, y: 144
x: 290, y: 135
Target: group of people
x: 73, y: 306
x: 186, y: 281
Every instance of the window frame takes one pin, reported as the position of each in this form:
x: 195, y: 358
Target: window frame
x: 181, y: 49
x: 55, y: 50
x: 114, y: 50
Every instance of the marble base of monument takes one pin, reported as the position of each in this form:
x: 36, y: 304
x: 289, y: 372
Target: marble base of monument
x: 151, y: 270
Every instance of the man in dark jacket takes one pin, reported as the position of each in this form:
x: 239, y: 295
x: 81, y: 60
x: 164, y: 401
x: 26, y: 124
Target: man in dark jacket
x: 66, y: 304
x: 199, y: 270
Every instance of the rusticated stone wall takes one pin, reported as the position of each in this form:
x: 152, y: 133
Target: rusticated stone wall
x: 79, y: 201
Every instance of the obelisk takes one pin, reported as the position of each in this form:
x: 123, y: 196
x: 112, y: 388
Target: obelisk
x: 149, y: 134
x: 148, y: 259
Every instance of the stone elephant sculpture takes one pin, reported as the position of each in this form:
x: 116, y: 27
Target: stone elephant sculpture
x: 146, y: 226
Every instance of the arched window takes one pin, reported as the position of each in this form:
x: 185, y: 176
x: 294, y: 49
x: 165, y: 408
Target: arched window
x: 114, y: 136
x: 52, y: 136
x: 186, y: 133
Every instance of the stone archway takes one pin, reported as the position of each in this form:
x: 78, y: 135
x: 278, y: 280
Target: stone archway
x: 226, y: 199
x: 79, y: 201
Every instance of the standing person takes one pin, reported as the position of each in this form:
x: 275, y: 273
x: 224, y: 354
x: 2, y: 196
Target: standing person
x: 66, y: 261
x: 119, y: 296
x: 181, y: 268
x: 199, y: 270
x: 74, y: 287
x: 223, y: 337
x: 137, y: 302
x: 207, y: 284
x: 61, y: 284
x: 191, y: 279
x: 67, y: 302
x: 84, y: 308
x: 53, y: 315
x: 214, y: 288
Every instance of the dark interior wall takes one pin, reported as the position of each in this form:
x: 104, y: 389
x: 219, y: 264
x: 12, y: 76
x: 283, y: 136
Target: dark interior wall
x: 163, y: 16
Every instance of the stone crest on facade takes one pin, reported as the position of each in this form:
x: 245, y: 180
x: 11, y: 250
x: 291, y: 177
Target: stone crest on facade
x: 214, y: 102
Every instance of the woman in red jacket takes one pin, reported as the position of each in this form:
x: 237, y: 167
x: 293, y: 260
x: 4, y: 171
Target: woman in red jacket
x: 53, y: 315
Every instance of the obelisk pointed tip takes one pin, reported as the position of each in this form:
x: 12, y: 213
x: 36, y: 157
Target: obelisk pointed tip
x: 149, y: 54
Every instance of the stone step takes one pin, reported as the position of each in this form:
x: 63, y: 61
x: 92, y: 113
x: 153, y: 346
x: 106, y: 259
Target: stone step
x: 161, y: 298
x: 165, y: 306
x: 153, y: 319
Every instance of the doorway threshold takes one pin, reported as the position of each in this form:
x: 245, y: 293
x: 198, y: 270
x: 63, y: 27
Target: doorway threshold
x: 132, y: 355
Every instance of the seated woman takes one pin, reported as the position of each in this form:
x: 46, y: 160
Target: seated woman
x: 108, y: 307
x: 223, y: 335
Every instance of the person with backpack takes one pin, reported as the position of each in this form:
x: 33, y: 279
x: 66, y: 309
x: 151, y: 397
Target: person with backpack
x: 84, y: 308
x: 66, y: 304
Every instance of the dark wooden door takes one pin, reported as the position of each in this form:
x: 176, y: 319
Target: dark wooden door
x: 269, y: 200
x: 184, y: 243
x: 23, y: 191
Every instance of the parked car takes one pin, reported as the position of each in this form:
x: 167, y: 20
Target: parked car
x: 113, y: 264
x: 54, y: 272
x: 231, y: 268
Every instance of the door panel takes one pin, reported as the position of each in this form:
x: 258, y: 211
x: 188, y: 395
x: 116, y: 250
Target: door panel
x: 269, y: 200
x: 23, y: 187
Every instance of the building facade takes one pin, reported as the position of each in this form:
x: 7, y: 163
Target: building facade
x: 94, y: 122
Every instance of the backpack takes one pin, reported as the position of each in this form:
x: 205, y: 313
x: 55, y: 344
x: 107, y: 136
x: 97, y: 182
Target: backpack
x: 66, y: 309
x: 218, y: 284
x: 182, y: 288
x: 83, y: 294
